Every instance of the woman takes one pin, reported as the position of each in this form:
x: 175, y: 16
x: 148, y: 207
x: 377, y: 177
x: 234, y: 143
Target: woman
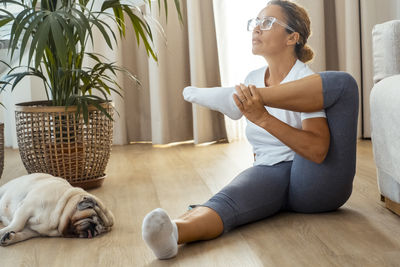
x: 279, y: 129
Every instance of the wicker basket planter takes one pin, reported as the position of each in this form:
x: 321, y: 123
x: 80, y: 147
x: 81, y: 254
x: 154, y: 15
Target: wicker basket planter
x: 1, y: 148
x: 53, y: 140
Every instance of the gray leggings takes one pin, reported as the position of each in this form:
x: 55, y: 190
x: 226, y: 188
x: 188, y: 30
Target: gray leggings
x: 299, y: 185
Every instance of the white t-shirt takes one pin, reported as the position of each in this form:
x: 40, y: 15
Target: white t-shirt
x: 268, y: 149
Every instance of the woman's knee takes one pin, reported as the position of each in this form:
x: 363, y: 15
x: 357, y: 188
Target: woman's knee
x: 335, y: 84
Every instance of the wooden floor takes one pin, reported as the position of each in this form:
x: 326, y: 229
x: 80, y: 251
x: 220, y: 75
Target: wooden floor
x: 141, y: 178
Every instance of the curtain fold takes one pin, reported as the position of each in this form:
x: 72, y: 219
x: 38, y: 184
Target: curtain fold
x: 204, y: 68
x: 156, y: 111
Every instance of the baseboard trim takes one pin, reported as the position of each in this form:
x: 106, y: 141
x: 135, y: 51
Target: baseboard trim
x: 392, y: 206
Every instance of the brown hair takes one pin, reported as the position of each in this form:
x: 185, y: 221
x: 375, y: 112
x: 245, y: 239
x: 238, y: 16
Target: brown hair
x: 297, y: 18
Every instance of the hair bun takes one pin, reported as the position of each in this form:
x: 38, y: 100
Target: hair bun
x: 305, y: 53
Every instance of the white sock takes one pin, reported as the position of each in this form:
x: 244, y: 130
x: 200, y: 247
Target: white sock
x: 160, y: 234
x: 215, y: 98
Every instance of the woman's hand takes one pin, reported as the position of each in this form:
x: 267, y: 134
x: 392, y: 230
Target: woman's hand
x: 250, y: 104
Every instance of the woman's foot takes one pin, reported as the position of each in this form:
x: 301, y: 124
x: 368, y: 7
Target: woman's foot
x: 160, y: 234
x: 215, y: 98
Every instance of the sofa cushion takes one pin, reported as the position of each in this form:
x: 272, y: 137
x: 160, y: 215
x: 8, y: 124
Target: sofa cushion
x: 386, y: 49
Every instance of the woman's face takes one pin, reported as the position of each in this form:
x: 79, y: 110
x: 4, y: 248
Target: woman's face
x: 273, y: 41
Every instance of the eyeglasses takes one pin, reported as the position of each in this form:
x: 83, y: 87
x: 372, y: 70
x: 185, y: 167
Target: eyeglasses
x: 266, y: 24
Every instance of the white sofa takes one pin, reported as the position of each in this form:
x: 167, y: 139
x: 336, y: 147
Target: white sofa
x: 385, y: 111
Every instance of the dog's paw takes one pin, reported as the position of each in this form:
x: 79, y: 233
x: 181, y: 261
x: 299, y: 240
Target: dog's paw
x: 7, y: 238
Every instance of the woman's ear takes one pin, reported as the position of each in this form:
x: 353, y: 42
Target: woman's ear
x: 293, y: 38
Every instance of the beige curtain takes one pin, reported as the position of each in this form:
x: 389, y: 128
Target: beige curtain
x: 156, y: 110
x: 342, y: 40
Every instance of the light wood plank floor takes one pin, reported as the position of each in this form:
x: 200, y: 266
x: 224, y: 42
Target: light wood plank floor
x: 141, y: 178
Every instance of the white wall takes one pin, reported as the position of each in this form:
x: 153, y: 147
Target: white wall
x: 29, y: 89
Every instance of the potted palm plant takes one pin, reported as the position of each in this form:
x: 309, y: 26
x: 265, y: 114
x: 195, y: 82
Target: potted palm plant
x: 70, y: 133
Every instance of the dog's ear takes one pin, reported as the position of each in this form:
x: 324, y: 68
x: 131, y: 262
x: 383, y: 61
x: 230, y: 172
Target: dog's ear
x: 87, y: 203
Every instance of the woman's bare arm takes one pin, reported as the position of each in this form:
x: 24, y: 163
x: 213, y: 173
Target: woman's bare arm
x: 311, y: 142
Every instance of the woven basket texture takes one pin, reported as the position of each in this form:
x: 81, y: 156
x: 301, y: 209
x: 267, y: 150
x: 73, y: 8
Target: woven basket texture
x: 55, y: 141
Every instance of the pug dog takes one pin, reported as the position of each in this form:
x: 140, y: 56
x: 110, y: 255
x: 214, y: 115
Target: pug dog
x: 40, y: 204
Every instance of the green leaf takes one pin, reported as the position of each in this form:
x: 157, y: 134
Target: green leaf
x: 119, y: 15
x: 99, y: 107
x: 59, y: 40
x: 109, y: 4
x: 85, y: 112
x: 16, y: 30
x: 178, y: 8
x: 17, y: 77
x: 5, y: 21
x: 10, y: 15
x: 13, y: 2
x: 19, y: 22
x: 138, y: 26
x: 34, y: 2
x: 166, y: 9
x: 103, y: 31
x: 104, y: 86
x: 49, y: 5
x: 28, y: 32
x: 83, y: 21
x: 3, y: 85
x: 94, y: 56
x: 68, y: 28
x: 5, y: 63
x: 43, y: 35
x: 83, y: 2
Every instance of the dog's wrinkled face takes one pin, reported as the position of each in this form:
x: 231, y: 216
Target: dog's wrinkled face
x: 88, y: 220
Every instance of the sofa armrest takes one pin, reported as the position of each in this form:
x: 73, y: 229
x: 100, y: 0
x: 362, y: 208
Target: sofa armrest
x: 385, y: 125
